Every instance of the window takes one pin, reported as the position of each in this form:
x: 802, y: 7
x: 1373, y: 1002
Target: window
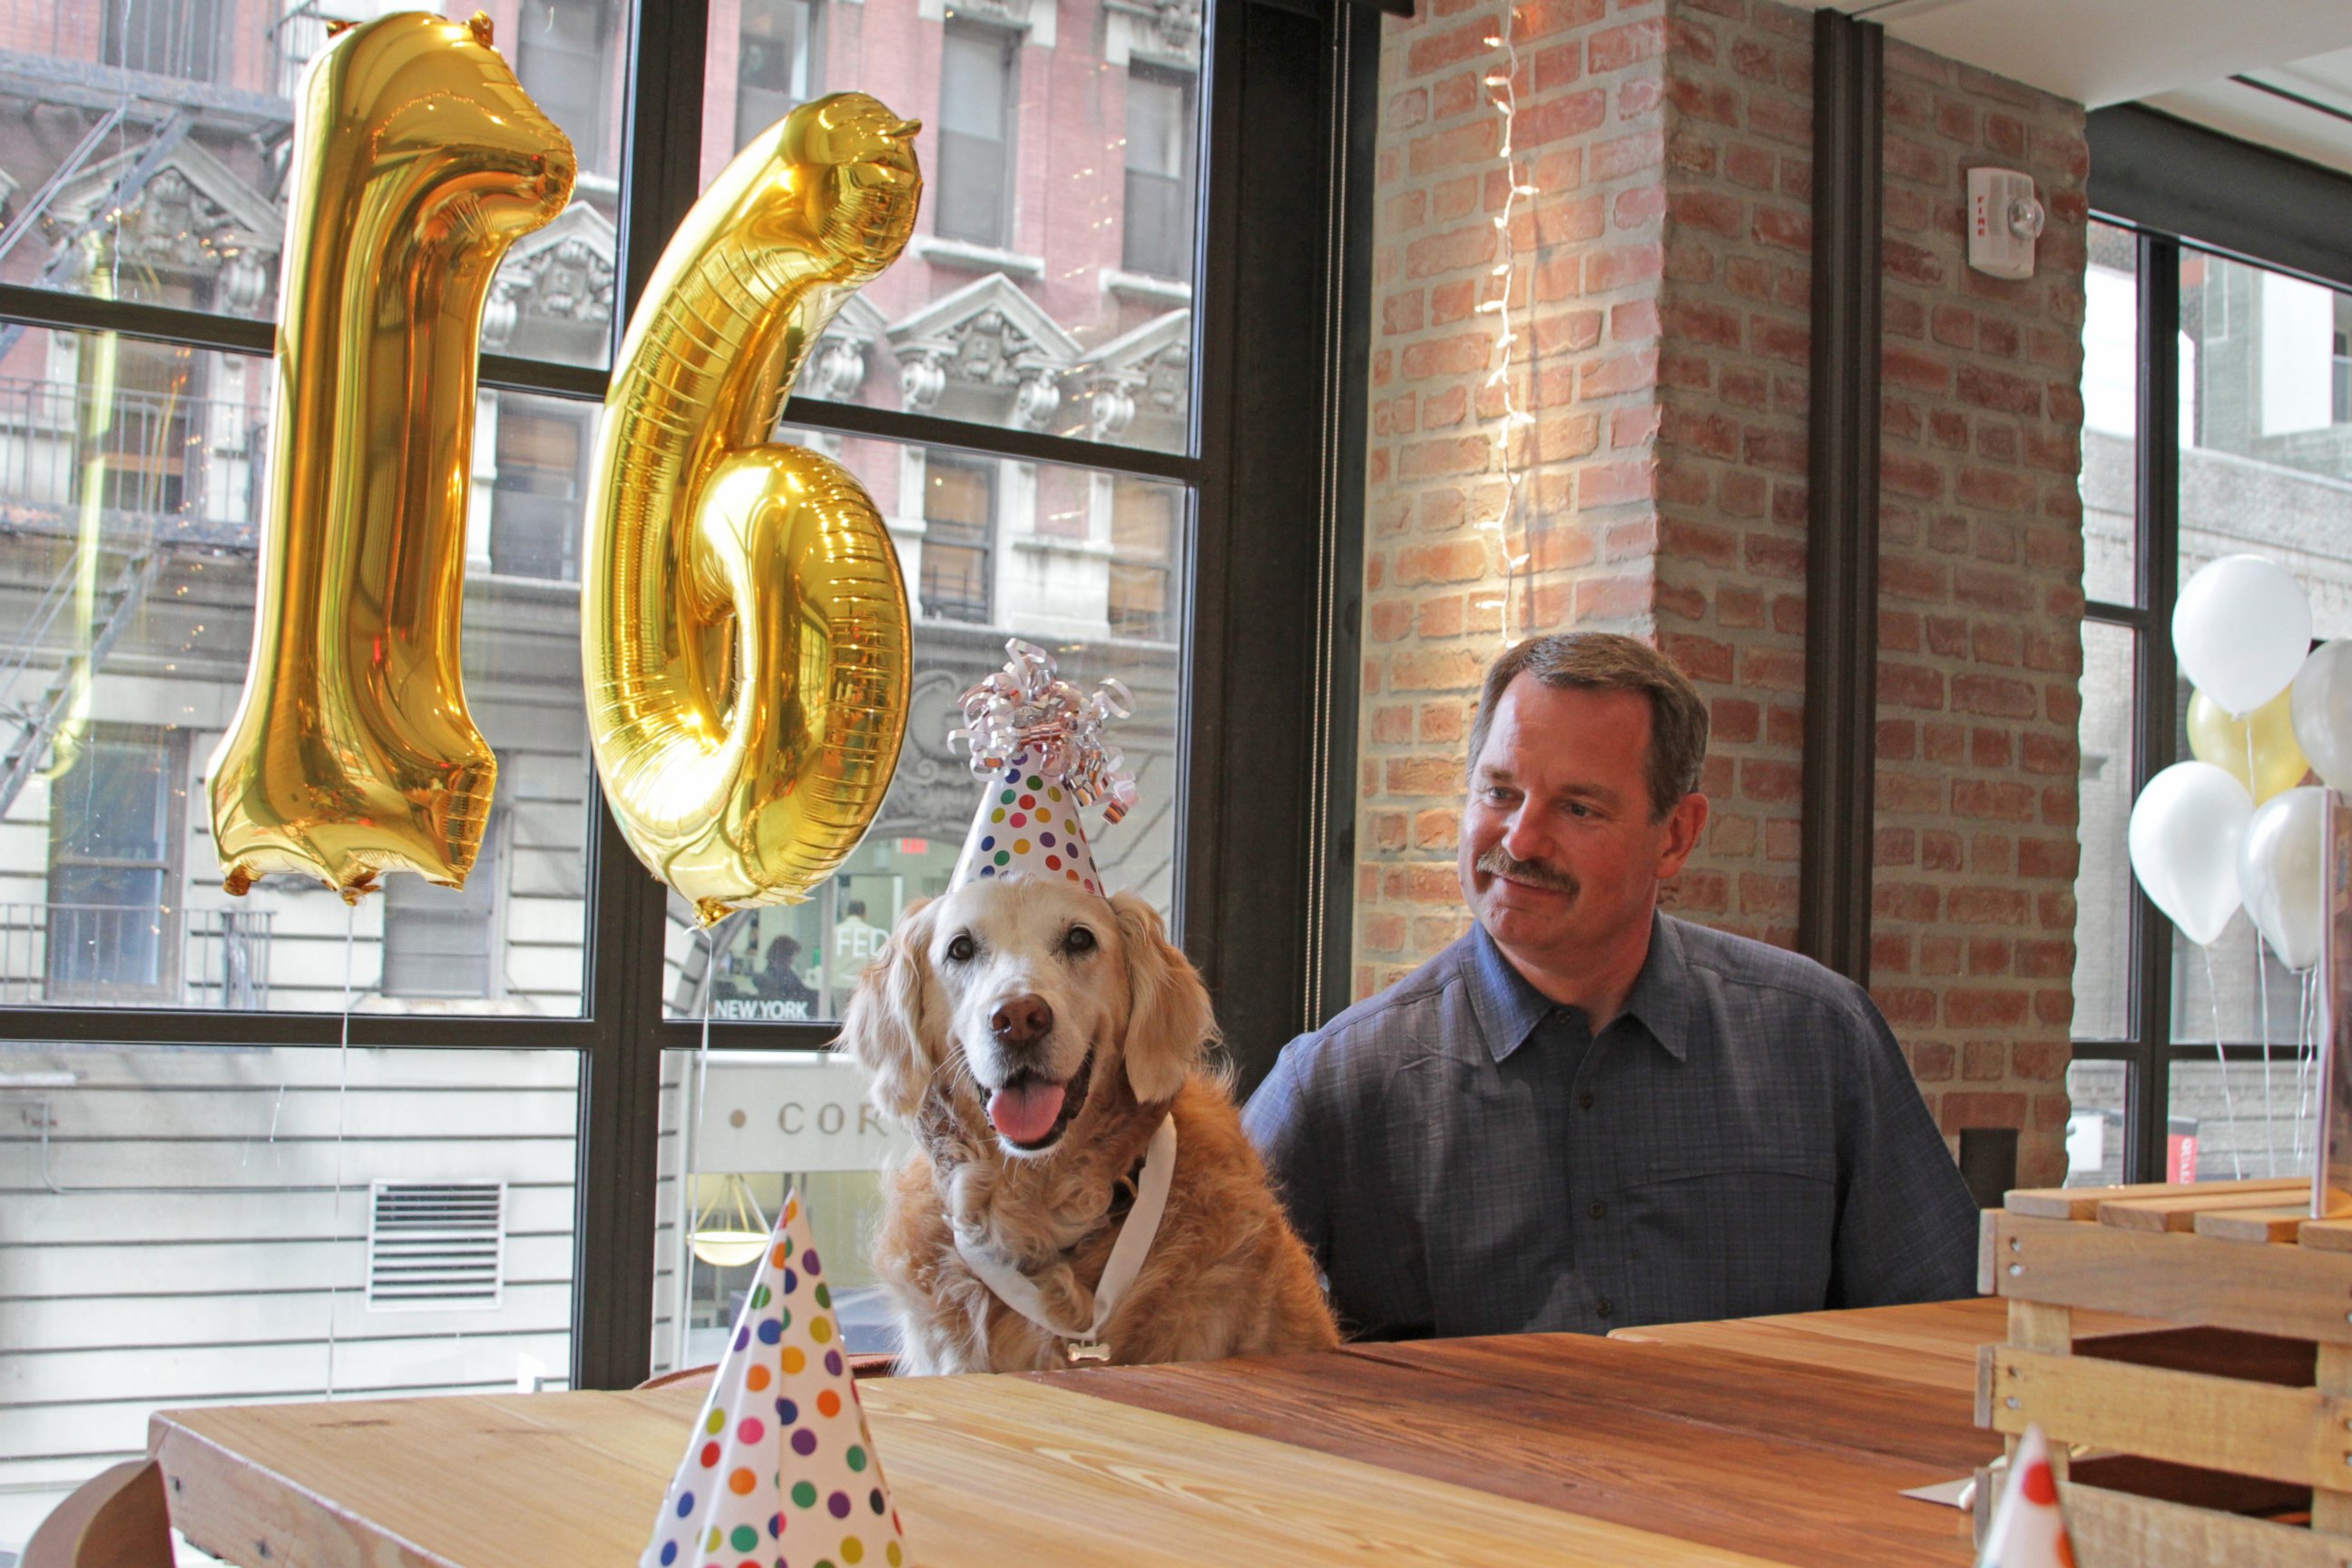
x: 2188, y: 1059
x: 543, y: 451
x: 561, y: 56
x: 974, y: 199
x: 444, y: 942
x: 113, y: 919
x: 178, y: 39
x: 777, y: 64
x: 134, y: 458
x: 959, y: 538
x: 1158, y: 217
x: 1143, y: 533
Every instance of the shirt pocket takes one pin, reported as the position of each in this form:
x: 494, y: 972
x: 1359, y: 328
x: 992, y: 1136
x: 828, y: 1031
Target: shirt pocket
x: 1737, y: 1233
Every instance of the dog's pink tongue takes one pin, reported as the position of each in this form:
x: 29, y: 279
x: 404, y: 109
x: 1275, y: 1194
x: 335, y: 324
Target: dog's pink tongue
x: 1025, y: 1114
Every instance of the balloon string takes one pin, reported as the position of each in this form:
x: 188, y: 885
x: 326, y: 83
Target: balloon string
x: 342, y: 1091
x: 2262, y: 986
x: 2228, y: 1106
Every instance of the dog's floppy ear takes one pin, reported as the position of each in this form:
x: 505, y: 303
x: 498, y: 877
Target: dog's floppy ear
x: 883, y: 1026
x: 1168, y: 1022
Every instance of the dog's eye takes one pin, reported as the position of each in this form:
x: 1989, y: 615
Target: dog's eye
x: 1079, y: 940
x: 961, y: 949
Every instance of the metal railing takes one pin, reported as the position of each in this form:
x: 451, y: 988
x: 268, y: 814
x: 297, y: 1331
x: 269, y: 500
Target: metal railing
x: 125, y: 955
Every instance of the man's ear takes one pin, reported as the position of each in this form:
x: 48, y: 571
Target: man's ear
x: 1683, y: 824
x: 885, y: 1027
x: 1169, y: 1021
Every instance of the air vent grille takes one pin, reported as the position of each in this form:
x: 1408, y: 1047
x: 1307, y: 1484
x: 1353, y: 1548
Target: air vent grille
x: 435, y: 1247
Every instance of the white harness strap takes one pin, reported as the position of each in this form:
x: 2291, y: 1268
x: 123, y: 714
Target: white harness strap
x: 1136, y: 1235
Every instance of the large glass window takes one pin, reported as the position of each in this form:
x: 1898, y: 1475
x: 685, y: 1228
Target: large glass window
x: 1078, y: 569
x: 400, y: 1218
x: 305, y: 1223
x: 2259, y: 450
x: 129, y: 526
x: 1048, y: 285
x: 145, y: 158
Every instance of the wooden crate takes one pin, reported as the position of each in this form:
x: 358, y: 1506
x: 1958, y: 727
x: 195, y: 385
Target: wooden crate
x: 2226, y: 1438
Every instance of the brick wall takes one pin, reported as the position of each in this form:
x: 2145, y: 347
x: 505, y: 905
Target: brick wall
x: 1981, y: 609
x: 1662, y: 297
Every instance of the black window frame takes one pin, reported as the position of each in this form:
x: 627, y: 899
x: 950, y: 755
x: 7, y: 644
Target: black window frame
x: 2181, y: 188
x: 1270, y: 605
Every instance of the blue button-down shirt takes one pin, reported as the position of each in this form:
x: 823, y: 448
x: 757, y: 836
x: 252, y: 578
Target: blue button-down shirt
x: 1466, y: 1158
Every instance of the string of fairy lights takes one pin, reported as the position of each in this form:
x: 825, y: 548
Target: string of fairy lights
x: 1502, y: 96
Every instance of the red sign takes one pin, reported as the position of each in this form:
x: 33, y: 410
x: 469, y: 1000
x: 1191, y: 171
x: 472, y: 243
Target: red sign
x: 914, y: 846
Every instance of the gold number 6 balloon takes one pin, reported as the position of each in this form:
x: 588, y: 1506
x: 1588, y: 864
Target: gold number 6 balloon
x: 744, y: 624
x: 417, y: 160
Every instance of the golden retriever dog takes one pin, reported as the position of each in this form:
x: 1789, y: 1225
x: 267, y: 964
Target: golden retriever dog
x: 1033, y: 1037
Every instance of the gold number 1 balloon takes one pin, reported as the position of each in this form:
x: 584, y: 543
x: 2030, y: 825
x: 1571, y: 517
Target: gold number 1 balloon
x: 417, y: 160
x: 744, y: 624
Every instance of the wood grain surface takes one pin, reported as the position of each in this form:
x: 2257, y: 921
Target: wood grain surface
x: 1796, y: 1464
x: 1547, y: 1449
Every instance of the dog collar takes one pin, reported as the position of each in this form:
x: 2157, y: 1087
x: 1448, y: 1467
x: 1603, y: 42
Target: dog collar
x: 1136, y: 1235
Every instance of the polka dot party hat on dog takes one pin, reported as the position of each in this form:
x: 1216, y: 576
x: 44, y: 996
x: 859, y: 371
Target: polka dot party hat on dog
x: 1037, y: 744
x: 780, y: 1471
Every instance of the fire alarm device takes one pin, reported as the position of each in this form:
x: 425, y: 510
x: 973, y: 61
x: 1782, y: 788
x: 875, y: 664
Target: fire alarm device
x: 2005, y: 217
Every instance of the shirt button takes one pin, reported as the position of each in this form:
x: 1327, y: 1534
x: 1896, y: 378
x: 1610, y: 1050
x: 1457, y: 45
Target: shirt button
x: 1584, y: 1101
x: 1602, y: 1308
x: 1599, y: 1209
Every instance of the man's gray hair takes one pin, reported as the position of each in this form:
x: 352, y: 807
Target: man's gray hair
x: 1607, y: 661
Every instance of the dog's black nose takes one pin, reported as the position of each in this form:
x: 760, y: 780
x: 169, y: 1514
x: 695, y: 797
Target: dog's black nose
x: 1022, y: 1020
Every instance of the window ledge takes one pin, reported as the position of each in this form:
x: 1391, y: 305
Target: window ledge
x: 1142, y: 289
x: 1062, y: 544
x: 979, y: 257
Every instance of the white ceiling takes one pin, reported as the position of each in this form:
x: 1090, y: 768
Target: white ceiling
x: 2222, y: 63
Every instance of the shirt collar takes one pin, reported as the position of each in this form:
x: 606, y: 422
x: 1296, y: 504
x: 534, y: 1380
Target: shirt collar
x: 1509, y: 1008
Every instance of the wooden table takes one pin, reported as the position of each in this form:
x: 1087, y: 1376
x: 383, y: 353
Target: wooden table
x: 1694, y: 1447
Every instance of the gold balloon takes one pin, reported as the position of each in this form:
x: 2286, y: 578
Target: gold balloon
x: 417, y: 160
x: 744, y: 625
x: 2276, y: 762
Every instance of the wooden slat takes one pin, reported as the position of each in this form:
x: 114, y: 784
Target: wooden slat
x: 2116, y: 1529
x: 2260, y: 1225
x: 2332, y: 1374
x: 2215, y: 1423
x: 2326, y: 1234
x: 2295, y: 1292
x: 2082, y: 1203
x: 2178, y: 1212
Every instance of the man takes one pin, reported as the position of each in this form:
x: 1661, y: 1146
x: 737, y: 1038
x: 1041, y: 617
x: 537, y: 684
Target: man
x: 1585, y: 1114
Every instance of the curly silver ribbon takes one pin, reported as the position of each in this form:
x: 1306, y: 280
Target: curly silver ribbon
x: 1025, y: 709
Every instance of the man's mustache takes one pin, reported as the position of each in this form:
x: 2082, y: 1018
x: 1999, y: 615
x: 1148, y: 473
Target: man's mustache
x: 1498, y: 861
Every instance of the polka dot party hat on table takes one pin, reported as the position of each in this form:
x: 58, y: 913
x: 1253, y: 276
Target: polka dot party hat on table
x: 779, y: 1471
x: 1038, y: 747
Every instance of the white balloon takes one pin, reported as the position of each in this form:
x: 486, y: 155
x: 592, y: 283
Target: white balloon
x: 2186, y: 828
x: 2278, y: 874
x: 2322, y: 707
x: 2241, y: 628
